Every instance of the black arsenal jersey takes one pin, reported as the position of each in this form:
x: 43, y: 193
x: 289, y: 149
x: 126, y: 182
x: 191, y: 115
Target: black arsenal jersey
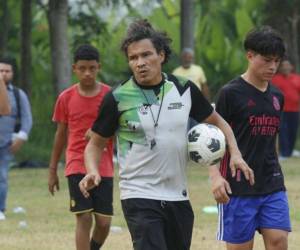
x: 254, y: 117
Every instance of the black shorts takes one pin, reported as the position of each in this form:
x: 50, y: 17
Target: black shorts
x: 100, y: 200
x: 159, y: 225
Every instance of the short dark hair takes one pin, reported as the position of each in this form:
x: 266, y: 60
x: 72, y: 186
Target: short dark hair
x: 265, y: 41
x: 142, y: 29
x: 86, y: 52
x: 10, y: 61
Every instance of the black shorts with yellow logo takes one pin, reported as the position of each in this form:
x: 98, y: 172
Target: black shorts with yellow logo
x: 100, y: 200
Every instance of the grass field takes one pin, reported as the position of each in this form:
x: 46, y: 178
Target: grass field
x: 50, y: 225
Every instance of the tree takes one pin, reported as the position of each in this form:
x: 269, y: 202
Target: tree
x: 4, y: 27
x: 60, y: 56
x: 187, y: 24
x: 285, y: 17
x: 221, y: 29
x: 25, y: 73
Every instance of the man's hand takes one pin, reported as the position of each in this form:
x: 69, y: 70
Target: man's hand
x: 237, y: 162
x: 16, y: 145
x: 89, y: 182
x: 220, y: 189
x: 53, y: 181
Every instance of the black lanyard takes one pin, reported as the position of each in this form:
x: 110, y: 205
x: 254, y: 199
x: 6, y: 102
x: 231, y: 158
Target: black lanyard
x: 155, y: 122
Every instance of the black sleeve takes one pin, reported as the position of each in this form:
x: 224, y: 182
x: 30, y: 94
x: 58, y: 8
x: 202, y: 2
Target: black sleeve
x: 201, y: 108
x: 106, y: 123
x: 222, y: 104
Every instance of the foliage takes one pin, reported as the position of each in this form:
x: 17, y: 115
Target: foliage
x: 221, y: 28
x: 95, y: 22
x: 42, y: 94
x: 285, y: 17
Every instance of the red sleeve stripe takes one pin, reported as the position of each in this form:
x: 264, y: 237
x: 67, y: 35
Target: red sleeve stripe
x: 224, y: 164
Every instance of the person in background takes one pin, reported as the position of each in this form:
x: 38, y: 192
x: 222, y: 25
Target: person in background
x: 192, y: 71
x: 289, y: 83
x: 75, y: 111
x: 14, y: 128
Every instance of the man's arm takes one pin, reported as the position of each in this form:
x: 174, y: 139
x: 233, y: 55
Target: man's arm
x: 92, y: 156
x: 5, y: 107
x: 26, y: 123
x: 236, y: 160
x: 219, y: 186
x: 60, y: 141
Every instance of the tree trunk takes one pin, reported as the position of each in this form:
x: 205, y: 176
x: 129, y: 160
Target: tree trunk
x: 25, y: 74
x: 295, y: 37
x: 4, y: 27
x: 187, y: 24
x: 285, y: 17
x: 60, y: 58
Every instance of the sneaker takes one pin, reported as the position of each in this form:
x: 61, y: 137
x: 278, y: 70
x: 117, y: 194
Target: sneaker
x: 2, y: 216
x: 296, y: 153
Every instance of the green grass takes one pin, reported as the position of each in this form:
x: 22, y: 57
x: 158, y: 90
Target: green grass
x: 51, y: 225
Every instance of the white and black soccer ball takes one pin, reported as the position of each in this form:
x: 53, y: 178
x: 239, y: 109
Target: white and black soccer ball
x: 206, y: 144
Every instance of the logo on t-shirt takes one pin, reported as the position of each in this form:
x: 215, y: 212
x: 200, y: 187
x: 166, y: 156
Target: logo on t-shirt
x: 144, y: 109
x: 133, y: 125
x: 175, y: 105
x: 251, y: 103
x: 264, y: 125
x: 276, y: 103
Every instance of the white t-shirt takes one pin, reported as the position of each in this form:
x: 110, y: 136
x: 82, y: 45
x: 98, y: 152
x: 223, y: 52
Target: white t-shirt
x: 130, y: 111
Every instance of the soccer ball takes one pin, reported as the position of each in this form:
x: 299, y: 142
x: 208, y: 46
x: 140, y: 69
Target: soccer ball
x: 206, y: 144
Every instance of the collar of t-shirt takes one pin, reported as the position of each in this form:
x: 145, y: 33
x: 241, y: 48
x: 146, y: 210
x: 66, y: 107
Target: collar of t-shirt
x: 155, y: 88
x: 253, y: 88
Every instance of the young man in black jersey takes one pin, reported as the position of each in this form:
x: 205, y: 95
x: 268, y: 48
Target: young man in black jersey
x: 149, y: 113
x: 252, y: 106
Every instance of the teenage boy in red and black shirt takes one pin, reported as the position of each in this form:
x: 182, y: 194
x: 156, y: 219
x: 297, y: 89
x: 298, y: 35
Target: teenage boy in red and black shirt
x: 75, y: 111
x: 253, y: 108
